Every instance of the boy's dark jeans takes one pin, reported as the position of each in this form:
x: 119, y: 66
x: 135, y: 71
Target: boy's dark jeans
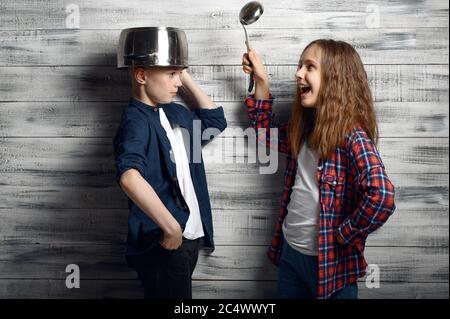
x: 166, y: 274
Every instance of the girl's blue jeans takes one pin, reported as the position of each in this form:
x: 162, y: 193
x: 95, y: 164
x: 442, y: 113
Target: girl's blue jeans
x: 297, y: 277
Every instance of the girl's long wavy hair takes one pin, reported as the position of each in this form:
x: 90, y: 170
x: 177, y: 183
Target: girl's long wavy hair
x: 344, y: 100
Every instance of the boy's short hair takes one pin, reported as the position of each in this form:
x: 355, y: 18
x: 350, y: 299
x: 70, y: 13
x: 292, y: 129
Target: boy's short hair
x: 132, y: 69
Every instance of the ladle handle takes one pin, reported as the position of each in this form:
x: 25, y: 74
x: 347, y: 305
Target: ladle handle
x: 252, y: 82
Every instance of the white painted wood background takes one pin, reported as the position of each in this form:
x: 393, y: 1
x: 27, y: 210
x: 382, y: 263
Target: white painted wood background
x: 60, y: 103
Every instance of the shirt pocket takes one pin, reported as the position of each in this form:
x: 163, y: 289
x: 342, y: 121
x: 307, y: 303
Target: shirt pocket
x: 333, y: 187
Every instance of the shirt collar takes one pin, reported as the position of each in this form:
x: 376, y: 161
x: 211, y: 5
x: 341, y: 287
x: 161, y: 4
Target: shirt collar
x: 146, y: 107
x: 173, y: 117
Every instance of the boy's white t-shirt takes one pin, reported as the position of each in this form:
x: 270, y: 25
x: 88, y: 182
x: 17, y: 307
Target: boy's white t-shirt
x: 194, y: 226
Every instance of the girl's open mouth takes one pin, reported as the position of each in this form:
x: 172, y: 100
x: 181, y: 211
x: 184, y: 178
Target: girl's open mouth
x: 305, y: 90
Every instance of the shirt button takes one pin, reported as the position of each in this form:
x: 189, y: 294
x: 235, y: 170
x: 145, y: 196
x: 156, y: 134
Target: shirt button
x: 155, y: 109
x: 174, y: 179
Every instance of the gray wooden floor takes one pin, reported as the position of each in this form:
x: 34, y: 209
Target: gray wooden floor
x: 60, y: 103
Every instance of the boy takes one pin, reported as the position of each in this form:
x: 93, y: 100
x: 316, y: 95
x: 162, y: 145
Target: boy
x: 169, y: 204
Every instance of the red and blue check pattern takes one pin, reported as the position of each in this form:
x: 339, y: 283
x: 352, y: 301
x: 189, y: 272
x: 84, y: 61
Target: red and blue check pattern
x: 356, y: 198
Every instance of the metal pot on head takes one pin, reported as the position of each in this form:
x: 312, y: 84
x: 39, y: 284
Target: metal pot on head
x: 152, y: 46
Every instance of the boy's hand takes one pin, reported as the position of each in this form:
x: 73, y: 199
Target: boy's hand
x: 172, y: 238
x: 193, y: 94
x: 185, y: 78
x: 251, y: 62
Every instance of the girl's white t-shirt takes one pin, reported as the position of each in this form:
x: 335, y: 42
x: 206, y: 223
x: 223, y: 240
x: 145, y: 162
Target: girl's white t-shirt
x: 301, y: 225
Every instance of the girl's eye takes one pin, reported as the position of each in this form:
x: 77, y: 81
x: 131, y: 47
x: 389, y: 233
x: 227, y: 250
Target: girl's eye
x: 309, y: 67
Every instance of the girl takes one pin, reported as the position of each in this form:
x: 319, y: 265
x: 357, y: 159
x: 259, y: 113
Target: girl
x: 336, y: 189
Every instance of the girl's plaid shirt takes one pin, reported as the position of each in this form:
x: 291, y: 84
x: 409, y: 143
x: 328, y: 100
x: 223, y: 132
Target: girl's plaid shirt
x: 356, y: 198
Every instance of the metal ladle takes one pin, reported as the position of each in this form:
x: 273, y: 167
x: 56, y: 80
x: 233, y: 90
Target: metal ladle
x: 249, y: 14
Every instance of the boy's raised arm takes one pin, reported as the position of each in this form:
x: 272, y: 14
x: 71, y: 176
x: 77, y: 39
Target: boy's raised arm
x: 201, y: 99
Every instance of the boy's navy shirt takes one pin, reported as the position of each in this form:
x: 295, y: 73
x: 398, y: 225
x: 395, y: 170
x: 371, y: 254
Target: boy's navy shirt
x: 141, y: 143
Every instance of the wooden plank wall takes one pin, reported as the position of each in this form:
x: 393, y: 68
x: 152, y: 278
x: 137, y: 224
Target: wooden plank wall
x: 60, y: 103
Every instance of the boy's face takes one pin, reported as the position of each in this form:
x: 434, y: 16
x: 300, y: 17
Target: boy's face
x: 308, y: 76
x: 160, y: 83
